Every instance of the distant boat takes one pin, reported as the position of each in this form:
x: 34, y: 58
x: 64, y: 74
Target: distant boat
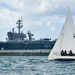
x: 25, y: 41
x: 64, y: 48
x: 19, y: 43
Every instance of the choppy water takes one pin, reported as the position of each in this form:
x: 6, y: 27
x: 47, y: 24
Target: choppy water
x: 34, y: 65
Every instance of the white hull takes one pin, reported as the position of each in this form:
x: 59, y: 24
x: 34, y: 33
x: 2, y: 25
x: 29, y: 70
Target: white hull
x: 62, y: 58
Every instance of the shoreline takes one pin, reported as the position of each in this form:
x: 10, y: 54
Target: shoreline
x: 24, y: 52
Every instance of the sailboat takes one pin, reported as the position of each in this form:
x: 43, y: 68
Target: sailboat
x: 65, y: 41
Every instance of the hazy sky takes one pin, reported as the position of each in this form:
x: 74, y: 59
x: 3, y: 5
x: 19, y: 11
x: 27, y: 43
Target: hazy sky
x: 44, y: 18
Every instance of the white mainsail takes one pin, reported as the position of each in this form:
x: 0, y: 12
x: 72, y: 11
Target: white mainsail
x: 66, y: 39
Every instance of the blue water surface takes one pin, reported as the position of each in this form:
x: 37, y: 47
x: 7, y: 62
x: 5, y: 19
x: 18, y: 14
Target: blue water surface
x: 34, y: 65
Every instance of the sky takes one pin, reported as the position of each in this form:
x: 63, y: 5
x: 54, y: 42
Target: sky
x: 44, y: 18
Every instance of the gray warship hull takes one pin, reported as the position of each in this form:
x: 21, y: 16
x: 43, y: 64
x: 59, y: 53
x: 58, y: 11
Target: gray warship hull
x: 26, y: 48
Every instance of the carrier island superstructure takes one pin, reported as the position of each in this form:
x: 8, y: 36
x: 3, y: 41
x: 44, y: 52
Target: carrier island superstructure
x: 18, y: 44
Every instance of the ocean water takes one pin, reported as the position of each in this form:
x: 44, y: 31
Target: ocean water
x: 34, y: 65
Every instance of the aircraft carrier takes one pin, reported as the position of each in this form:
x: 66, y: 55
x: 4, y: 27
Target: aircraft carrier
x: 18, y: 44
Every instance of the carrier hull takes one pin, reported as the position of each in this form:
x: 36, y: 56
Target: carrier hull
x: 25, y: 48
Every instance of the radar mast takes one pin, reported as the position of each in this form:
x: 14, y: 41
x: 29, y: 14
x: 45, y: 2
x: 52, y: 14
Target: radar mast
x: 19, y: 22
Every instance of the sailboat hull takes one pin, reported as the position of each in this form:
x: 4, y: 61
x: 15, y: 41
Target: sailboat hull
x: 62, y: 58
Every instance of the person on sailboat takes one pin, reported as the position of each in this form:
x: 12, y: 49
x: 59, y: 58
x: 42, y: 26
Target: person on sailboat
x: 70, y: 53
x: 65, y: 53
x: 62, y: 53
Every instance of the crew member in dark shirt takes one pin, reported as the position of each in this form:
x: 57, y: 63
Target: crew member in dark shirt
x: 65, y: 53
x: 62, y: 53
x: 70, y: 53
